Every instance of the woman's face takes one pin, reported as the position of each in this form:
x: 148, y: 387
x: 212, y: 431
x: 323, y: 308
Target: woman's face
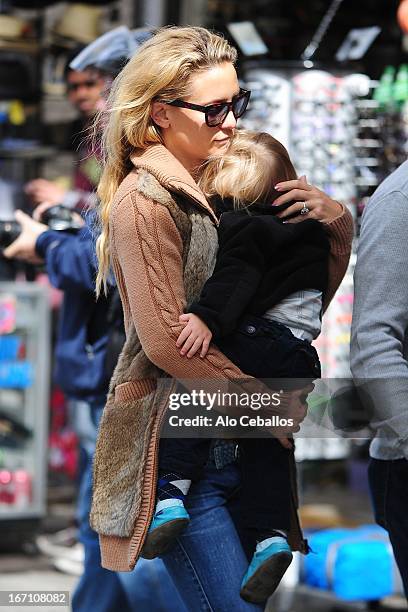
x: 185, y: 132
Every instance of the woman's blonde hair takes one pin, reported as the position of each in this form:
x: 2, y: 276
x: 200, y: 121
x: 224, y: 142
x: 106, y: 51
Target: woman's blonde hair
x: 161, y: 68
x: 248, y: 171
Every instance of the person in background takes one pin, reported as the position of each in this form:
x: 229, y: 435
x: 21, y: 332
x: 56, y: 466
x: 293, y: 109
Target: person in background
x: 85, y: 91
x: 83, y: 349
x: 379, y: 352
x: 81, y: 372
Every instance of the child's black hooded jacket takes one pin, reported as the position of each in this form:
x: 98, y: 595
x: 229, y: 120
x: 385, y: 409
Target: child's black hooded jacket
x: 260, y: 261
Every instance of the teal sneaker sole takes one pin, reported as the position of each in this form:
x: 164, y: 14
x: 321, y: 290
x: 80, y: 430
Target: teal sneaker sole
x: 265, y: 580
x: 160, y: 540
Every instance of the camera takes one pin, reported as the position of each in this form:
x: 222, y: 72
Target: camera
x: 57, y: 217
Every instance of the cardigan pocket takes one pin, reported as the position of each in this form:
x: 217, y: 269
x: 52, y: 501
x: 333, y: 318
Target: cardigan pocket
x: 134, y: 389
x: 122, y: 447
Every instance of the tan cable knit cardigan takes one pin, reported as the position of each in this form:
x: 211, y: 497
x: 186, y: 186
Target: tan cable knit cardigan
x: 163, y: 242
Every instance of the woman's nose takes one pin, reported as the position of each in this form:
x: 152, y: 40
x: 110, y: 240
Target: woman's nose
x: 229, y: 122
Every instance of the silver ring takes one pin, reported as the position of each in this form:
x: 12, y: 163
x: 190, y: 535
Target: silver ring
x: 305, y: 209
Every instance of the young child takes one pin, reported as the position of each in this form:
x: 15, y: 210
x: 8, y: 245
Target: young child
x: 262, y: 307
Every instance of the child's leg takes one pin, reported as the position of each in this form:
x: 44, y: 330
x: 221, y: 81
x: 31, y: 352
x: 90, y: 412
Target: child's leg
x: 267, y: 350
x: 180, y: 462
x: 266, y: 486
x: 266, y: 507
x: 266, y: 499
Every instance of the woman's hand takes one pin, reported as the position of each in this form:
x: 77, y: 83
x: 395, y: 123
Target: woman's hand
x: 194, y: 336
x: 309, y: 198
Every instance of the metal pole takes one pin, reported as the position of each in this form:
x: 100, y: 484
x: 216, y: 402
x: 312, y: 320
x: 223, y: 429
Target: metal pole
x: 193, y: 12
x: 153, y: 13
x: 312, y: 47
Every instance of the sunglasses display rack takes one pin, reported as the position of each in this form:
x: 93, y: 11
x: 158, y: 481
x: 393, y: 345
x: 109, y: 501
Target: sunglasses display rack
x: 315, y: 115
x: 394, y: 128
x: 325, y: 124
x: 333, y: 344
x: 369, y: 146
x: 382, y: 140
x: 269, y: 107
x: 324, y: 130
x: 366, y: 152
x: 391, y: 97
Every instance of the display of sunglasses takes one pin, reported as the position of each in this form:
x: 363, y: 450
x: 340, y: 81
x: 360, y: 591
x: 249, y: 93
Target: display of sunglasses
x: 215, y: 114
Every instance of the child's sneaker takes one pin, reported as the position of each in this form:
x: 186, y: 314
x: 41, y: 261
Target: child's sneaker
x: 269, y: 563
x: 169, y: 520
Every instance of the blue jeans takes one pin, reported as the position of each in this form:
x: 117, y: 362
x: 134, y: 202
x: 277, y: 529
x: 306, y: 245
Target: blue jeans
x: 148, y: 588
x: 208, y: 561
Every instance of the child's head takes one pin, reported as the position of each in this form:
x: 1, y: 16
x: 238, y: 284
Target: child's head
x: 248, y: 171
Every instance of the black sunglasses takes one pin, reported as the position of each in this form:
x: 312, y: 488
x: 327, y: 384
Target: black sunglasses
x: 215, y: 114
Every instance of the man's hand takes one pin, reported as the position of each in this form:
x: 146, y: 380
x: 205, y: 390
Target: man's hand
x: 40, y: 209
x: 194, y: 336
x: 40, y: 190
x: 24, y: 246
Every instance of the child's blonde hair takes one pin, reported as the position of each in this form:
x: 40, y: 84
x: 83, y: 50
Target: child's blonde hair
x: 253, y: 164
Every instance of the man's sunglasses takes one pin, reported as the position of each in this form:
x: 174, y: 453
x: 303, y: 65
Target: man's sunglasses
x: 87, y: 84
x: 215, y: 114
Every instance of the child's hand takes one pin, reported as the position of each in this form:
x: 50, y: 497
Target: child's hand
x: 195, y: 335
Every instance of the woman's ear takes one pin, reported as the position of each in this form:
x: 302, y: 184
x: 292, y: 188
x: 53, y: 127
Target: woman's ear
x: 159, y: 114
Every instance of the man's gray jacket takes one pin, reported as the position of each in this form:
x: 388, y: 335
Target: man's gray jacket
x: 379, y: 340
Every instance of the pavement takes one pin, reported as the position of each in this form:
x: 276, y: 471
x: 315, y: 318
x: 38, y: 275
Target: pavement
x: 26, y: 569
x: 25, y: 572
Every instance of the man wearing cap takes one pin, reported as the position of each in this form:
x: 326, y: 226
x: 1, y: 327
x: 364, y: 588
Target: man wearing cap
x: 81, y: 371
x: 81, y: 355
x: 85, y: 92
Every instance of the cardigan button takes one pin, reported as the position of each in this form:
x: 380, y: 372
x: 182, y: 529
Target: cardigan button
x: 251, y: 329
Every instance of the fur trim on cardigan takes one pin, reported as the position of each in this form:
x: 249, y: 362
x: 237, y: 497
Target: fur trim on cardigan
x: 133, y: 408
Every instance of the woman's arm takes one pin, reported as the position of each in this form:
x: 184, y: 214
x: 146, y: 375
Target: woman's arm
x: 337, y: 221
x: 147, y: 261
x: 340, y: 232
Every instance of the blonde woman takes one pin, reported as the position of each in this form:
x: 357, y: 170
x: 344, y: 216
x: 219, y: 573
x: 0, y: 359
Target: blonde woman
x: 175, y: 104
x: 262, y: 307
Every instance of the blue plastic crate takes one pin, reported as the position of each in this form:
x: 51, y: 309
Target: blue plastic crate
x: 356, y: 564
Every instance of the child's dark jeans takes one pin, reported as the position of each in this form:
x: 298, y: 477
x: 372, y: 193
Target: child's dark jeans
x: 263, y: 349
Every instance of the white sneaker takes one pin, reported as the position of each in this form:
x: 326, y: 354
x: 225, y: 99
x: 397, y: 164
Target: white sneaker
x: 57, y: 544
x: 68, y: 566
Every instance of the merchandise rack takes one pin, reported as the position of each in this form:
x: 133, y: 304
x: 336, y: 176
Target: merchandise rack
x: 25, y: 318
